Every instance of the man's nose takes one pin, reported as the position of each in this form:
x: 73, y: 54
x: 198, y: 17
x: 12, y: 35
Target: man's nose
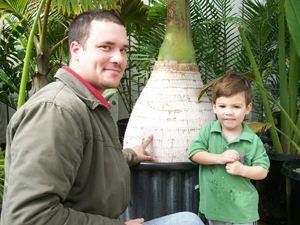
x: 118, y: 57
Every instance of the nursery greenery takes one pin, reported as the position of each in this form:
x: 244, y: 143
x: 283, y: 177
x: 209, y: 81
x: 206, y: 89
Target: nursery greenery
x: 289, y: 71
x: 271, y: 54
x: 218, y: 45
x: 1, y: 173
x: 50, y: 48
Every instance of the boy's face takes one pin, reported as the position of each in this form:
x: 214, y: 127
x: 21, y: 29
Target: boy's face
x: 231, y: 111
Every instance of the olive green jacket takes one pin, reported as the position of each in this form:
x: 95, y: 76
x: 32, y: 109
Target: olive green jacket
x: 64, y: 163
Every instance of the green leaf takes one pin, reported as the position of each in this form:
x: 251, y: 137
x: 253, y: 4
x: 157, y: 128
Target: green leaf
x: 107, y: 94
x: 293, y: 21
x: 258, y: 126
x: 133, y: 11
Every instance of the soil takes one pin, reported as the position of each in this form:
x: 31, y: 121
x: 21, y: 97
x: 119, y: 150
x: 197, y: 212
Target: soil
x: 297, y: 170
x: 269, y: 148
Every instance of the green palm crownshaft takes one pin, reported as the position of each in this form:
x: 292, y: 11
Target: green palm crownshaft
x: 177, y: 44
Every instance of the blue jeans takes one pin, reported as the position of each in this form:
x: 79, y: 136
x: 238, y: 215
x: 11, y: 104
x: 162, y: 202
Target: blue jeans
x: 187, y: 218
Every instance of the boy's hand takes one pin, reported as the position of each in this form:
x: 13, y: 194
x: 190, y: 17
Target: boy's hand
x: 234, y: 168
x: 229, y: 156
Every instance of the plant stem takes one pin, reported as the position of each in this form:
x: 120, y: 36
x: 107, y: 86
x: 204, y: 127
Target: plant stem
x: 177, y: 44
x: 263, y: 94
x: 27, y: 58
x: 282, y: 74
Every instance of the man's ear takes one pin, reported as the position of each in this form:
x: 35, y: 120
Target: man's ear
x: 248, y: 109
x: 75, y: 49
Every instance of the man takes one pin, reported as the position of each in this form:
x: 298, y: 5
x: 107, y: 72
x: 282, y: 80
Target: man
x: 64, y: 163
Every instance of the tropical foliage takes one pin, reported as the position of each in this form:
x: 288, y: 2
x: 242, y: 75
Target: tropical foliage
x: 271, y: 54
x: 143, y: 50
x: 1, y: 173
x: 289, y: 71
x: 216, y: 40
x: 219, y: 47
x: 49, y: 49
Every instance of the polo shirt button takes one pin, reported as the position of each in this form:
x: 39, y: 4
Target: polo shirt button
x: 227, y: 147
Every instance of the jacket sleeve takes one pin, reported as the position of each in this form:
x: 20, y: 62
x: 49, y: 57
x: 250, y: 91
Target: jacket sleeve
x: 44, y: 152
x: 131, y: 157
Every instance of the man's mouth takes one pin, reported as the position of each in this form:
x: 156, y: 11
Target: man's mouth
x: 116, y: 69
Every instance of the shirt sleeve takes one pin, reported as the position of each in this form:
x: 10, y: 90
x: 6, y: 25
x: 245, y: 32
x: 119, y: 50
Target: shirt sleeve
x: 260, y: 158
x: 45, y: 149
x: 201, y: 142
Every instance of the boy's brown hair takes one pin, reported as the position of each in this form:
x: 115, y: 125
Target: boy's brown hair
x: 230, y: 84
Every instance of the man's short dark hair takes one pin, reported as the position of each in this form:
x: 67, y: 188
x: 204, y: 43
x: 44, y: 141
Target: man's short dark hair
x: 81, y: 25
x: 230, y: 84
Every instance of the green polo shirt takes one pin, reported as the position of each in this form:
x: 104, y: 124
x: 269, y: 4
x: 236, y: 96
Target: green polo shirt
x: 226, y: 197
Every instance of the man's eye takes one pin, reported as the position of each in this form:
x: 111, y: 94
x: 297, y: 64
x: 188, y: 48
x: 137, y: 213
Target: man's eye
x: 124, y: 51
x: 104, y: 47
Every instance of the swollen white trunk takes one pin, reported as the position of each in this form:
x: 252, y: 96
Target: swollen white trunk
x: 168, y: 108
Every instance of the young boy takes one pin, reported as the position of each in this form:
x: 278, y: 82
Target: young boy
x: 229, y: 156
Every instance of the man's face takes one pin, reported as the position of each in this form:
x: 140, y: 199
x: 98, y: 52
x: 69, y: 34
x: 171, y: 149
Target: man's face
x: 102, y: 61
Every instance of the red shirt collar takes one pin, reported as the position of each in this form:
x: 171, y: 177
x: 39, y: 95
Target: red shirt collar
x: 89, y: 86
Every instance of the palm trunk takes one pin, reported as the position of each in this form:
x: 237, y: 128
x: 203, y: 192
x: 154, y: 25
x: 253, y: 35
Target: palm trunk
x: 168, y: 106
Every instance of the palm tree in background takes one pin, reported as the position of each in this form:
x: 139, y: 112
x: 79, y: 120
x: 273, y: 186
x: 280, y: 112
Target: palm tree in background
x: 50, y: 42
x: 168, y: 107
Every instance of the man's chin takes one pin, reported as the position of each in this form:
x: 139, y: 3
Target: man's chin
x: 109, y: 86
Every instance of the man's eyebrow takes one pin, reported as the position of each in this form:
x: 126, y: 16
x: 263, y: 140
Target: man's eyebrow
x: 111, y: 43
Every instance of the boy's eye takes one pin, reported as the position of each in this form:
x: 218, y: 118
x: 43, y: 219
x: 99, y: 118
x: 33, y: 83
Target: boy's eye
x: 124, y: 51
x: 237, y: 107
x: 222, y: 106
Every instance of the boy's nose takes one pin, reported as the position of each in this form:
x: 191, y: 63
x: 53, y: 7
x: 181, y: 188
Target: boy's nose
x: 228, y: 112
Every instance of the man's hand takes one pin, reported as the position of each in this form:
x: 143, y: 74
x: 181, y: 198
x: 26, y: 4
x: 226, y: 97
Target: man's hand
x: 229, y: 156
x: 140, y: 150
x: 135, y: 222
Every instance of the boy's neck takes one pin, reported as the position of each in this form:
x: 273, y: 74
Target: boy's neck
x: 232, y: 134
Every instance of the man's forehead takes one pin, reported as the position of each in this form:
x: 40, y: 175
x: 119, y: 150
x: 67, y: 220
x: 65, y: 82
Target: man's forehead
x: 109, y: 30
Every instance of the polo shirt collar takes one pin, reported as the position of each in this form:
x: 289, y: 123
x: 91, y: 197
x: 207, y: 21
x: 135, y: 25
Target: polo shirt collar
x: 247, y: 133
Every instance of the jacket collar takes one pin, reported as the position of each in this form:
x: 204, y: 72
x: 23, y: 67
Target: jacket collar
x: 80, y: 89
x: 247, y: 133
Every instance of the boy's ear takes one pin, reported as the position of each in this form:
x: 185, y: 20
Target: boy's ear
x: 214, y: 108
x: 248, y: 109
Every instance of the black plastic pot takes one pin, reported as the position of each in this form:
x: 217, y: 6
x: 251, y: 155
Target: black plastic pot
x: 292, y: 190
x: 3, y: 145
x: 159, y: 189
x: 272, y: 192
x: 122, y: 124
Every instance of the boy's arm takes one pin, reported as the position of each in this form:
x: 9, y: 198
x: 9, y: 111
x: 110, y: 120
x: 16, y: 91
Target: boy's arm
x: 251, y: 172
x: 207, y: 158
